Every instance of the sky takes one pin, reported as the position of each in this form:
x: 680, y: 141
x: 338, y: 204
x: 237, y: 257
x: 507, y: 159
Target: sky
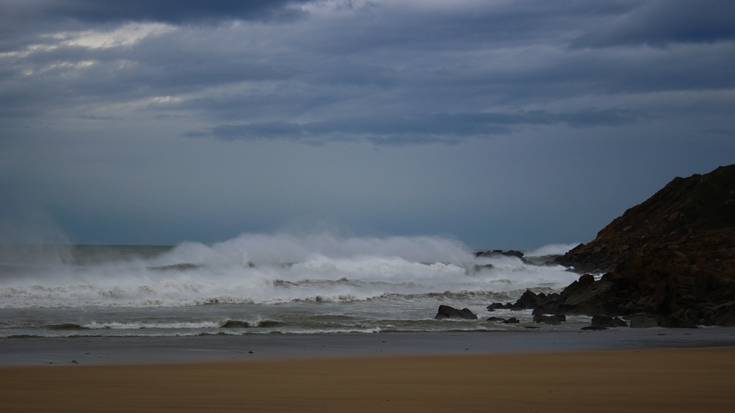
x: 500, y: 123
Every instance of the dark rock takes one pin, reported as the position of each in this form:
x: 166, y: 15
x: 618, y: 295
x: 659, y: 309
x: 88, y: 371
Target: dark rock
x: 642, y: 321
x: 671, y: 257
x: 499, y: 306
x: 670, y: 261
x: 721, y: 314
x: 550, y: 319
x: 586, y: 280
x: 495, y: 319
x: 605, y: 321
x: 66, y: 326
x: 496, y: 253
x: 446, y: 311
x: 528, y: 300
x: 682, y: 318
x: 594, y: 328
x: 676, y: 215
x: 511, y: 320
x: 584, y: 296
x: 235, y: 324
x: 547, y: 303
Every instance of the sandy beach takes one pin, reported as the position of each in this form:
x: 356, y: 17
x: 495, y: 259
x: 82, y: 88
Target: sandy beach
x: 651, y: 380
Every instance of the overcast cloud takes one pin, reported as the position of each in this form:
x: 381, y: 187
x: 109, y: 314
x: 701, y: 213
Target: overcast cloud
x: 501, y: 123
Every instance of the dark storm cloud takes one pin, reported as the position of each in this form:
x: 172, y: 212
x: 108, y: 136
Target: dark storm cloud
x: 661, y: 22
x: 172, y: 11
x: 373, y: 71
x: 164, y: 120
x: 21, y: 20
x: 481, y: 24
x: 16, y: 12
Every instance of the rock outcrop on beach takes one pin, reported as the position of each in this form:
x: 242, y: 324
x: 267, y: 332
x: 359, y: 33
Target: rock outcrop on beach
x: 446, y: 311
x: 245, y: 324
x: 601, y: 321
x: 671, y: 257
x: 511, y: 320
x: 553, y: 319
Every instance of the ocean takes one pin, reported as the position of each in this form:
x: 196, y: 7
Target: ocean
x: 267, y: 284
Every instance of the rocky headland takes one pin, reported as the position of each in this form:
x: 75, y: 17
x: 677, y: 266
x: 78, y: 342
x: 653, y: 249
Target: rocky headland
x: 669, y: 261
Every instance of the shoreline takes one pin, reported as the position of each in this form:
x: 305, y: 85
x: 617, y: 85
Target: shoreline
x: 650, y: 380
x: 156, y: 350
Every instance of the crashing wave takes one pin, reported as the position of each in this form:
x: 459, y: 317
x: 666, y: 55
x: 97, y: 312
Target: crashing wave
x: 275, y: 269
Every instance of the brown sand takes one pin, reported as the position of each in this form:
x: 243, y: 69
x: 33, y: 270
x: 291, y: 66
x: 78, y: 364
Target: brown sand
x: 682, y: 380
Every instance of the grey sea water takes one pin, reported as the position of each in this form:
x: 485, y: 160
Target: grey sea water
x: 266, y: 284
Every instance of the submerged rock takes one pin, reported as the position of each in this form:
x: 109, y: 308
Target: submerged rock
x: 499, y: 306
x: 553, y: 319
x: 606, y: 321
x: 510, y: 320
x: 235, y: 324
x: 66, y: 326
x: 446, y: 311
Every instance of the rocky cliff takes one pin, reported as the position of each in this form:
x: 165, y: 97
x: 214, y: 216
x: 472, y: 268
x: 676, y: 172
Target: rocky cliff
x: 694, y: 213
x: 672, y: 256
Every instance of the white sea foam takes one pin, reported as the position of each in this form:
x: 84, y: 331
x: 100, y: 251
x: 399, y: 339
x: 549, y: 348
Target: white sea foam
x: 263, y: 249
x: 279, y: 268
x: 142, y: 325
x: 194, y: 332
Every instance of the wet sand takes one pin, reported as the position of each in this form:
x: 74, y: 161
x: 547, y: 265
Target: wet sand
x: 651, y: 380
x: 141, y: 350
